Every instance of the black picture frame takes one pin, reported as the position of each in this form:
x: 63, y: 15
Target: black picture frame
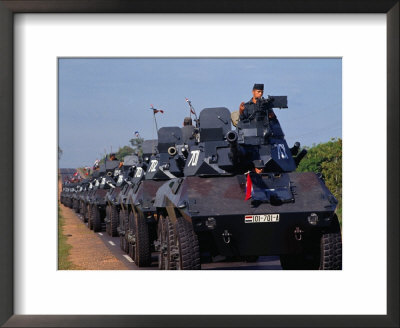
x: 10, y: 7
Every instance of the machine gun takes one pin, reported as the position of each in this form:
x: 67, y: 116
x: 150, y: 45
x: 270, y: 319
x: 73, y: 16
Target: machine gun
x: 263, y: 105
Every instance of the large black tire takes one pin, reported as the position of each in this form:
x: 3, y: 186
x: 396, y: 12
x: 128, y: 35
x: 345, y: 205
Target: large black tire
x: 331, y: 251
x: 186, y: 246
x: 131, y: 234
x: 123, y: 227
x: 90, y: 216
x: 108, y: 218
x: 87, y: 211
x: 81, y: 208
x: 76, y: 206
x: 169, y: 233
x: 325, y: 255
x: 141, y: 247
x: 96, y: 218
x: 165, y: 231
x: 162, y: 243
x: 114, y: 217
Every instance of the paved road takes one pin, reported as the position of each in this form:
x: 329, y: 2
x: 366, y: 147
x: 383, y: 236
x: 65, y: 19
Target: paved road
x: 263, y: 263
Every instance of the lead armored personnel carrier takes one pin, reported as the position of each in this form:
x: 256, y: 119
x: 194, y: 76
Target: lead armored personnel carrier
x: 241, y: 197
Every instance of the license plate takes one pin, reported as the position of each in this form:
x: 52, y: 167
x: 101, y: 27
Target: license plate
x: 261, y: 218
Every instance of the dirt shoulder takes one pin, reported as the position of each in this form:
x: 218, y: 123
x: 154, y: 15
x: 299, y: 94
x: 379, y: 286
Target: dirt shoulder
x: 88, y: 252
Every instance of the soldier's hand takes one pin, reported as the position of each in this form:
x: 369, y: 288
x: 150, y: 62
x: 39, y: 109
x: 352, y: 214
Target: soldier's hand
x: 241, y: 107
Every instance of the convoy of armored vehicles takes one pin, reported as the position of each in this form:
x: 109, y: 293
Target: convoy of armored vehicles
x: 227, y: 193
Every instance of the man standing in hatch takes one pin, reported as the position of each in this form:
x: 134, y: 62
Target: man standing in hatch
x: 246, y: 109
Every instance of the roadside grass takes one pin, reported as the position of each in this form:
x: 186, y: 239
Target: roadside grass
x: 63, y: 246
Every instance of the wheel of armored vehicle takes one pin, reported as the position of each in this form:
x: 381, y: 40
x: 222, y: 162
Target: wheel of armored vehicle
x: 76, y: 206
x: 123, y: 228
x: 162, y: 243
x: 166, y: 241
x: 113, y: 224
x: 108, y: 211
x: 325, y: 254
x: 90, y: 217
x: 87, y: 213
x: 112, y: 220
x: 96, y: 220
x: 185, y: 248
x: 141, y: 246
x: 82, y: 210
x: 131, y: 235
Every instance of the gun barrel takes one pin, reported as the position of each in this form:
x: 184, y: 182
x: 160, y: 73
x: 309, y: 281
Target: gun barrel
x: 232, y: 138
x: 300, y: 156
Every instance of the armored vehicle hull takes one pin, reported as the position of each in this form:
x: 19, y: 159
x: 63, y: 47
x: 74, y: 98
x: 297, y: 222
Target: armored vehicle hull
x: 227, y: 225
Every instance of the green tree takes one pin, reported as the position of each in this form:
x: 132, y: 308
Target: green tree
x: 124, y: 151
x: 137, y: 145
x: 326, y: 158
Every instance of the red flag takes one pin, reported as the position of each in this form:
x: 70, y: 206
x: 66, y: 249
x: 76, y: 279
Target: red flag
x: 155, y: 110
x: 249, y: 187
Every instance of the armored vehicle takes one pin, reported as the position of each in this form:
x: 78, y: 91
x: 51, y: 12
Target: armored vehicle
x: 82, y: 198
x: 166, y: 164
x: 122, y: 175
x: 63, y: 193
x: 76, y: 196
x: 240, y: 197
x: 91, y: 189
x: 149, y: 148
x: 97, y: 199
x: 68, y: 198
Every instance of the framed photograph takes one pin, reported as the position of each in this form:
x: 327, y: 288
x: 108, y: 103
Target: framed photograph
x: 51, y: 44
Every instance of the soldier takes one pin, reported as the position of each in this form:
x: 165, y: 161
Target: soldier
x: 187, y: 130
x: 246, y: 109
x: 112, y: 157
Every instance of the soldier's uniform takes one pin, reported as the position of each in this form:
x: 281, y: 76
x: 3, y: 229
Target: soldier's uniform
x: 249, y: 109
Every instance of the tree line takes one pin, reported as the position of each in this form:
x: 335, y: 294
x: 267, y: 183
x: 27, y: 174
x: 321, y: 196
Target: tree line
x: 326, y: 159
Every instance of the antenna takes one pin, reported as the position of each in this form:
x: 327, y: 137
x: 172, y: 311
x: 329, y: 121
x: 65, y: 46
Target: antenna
x: 192, y: 111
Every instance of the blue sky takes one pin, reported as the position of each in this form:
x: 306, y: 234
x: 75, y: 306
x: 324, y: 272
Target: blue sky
x: 102, y: 102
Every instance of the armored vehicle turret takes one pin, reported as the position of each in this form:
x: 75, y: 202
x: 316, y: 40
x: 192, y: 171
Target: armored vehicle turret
x: 241, y: 198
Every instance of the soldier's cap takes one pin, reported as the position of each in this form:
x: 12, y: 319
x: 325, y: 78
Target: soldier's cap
x: 112, y: 154
x: 187, y: 120
x: 259, y: 163
x: 258, y: 86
